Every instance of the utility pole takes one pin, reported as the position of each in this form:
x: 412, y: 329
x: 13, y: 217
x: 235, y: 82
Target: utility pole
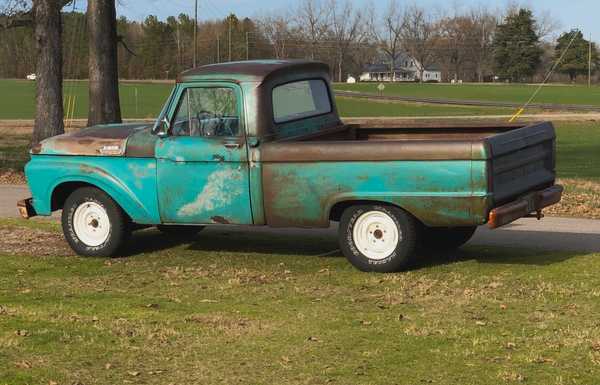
x: 229, y: 38
x: 590, y: 63
x: 195, y: 33
x: 247, y: 46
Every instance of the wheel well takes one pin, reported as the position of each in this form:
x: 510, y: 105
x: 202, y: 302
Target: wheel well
x: 335, y: 214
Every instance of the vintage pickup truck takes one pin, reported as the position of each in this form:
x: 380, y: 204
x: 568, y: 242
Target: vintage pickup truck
x: 261, y: 143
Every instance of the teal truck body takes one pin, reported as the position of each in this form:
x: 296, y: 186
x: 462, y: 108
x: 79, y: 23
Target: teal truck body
x: 261, y: 143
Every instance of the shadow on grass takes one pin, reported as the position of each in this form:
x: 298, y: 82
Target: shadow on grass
x: 240, y: 240
x: 501, y: 255
x: 316, y: 243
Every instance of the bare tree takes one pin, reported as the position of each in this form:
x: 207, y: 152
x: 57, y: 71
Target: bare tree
x: 419, y: 37
x: 312, y: 20
x: 49, y: 95
x: 276, y: 29
x: 347, y: 30
x: 485, y: 25
x: 104, y: 106
x: 387, y: 32
x: 45, y: 17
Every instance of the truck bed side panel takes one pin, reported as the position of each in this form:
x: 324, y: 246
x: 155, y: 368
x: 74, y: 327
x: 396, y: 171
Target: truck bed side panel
x: 439, y: 193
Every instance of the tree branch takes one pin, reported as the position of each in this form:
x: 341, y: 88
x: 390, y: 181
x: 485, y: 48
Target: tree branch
x: 121, y: 39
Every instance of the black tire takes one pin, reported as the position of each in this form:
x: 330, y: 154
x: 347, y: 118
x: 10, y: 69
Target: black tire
x: 180, y: 231
x: 400, y: 258
x: 446, y: 238
x: 119, y: 223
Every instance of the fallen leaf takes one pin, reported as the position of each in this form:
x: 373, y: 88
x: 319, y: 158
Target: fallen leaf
x: 133, y: 373
x: 24, y: 365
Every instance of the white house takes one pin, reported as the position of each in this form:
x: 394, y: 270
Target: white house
x: 407, y: 69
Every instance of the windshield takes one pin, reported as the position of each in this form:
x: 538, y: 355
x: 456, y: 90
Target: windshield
x: 299, y: 100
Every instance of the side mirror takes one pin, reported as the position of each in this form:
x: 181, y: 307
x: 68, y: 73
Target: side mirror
x: 163, y: 127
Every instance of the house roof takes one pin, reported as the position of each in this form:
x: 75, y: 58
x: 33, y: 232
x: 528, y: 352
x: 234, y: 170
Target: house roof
x: 250, y: 71
x: 386, y: 68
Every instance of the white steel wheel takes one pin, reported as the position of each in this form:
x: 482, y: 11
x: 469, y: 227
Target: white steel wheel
x: 91, y: 224
x: 376, y: 235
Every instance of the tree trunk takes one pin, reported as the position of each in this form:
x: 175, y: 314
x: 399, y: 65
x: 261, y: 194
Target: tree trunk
x: 49, y: 95
x: 104, y: 106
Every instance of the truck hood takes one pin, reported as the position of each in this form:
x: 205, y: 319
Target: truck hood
x: 101, y: 140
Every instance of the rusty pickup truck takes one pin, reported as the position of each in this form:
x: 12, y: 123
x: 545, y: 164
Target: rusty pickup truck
x: 261, y: 143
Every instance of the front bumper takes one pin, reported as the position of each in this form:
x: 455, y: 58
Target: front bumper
x: 524, y: 206
x: 26, y: 209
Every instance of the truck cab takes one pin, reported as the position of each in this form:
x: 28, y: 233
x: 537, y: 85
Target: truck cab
x: 261, y: 143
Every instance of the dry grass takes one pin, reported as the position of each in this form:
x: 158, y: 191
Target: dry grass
x: 580, y: 199
x: 224, y: 310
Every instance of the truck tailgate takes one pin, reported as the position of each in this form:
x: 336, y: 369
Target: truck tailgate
x: 521, y: 160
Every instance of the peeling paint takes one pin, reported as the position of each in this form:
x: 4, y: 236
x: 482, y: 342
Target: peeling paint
x: 215, y: 194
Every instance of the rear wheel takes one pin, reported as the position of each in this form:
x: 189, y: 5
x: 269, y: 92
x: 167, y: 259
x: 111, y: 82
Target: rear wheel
x: 180, y: 230
x: 93, y: 224
x: 447, y: 238
x: 378, y: 238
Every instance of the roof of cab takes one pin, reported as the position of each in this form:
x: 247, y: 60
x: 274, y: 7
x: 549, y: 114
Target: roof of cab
x: 250, y: 71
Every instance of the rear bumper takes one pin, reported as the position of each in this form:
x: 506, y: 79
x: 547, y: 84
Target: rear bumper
x: 26, y: 209
x: 534, y: 202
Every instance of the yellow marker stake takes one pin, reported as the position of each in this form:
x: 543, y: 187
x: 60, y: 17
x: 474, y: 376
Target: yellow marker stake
x: 516, y: 116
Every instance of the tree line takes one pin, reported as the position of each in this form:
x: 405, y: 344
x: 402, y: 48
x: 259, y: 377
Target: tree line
x: 473, y: 44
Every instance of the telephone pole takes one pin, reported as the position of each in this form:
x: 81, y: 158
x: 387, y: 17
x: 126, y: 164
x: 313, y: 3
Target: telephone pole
x: 195, y: 33
x: 590, y: 63
x: 229, y: 38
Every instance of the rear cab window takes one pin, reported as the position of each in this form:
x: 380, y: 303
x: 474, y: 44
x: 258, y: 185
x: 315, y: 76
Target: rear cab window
x: 300, y: 99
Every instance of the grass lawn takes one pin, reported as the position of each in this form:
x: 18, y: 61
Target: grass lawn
x: 248, y: 308
x: 349, y: 107
x: 559, y: 94
x: 18, y: 98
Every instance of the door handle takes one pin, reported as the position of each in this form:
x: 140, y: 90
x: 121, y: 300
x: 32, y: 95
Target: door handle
x: 232, y: 145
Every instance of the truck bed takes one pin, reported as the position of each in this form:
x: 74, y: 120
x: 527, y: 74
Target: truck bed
x: 515, y: 159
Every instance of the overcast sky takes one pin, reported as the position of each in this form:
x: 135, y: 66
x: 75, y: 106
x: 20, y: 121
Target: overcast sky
x: 582, y: 14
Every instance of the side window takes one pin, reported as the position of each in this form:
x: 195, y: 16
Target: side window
x: 210, y: 111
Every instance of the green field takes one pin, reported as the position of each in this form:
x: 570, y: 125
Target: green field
x: 268, y: 310
x: 556, y: 94
x: 17, y: 101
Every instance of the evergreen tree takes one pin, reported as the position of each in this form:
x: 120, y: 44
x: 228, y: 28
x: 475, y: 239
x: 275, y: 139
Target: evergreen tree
x: 517, y: 51
x: 576, y: 59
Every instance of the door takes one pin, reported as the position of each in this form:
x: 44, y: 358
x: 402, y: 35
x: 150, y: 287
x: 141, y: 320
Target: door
x: 203, y: 162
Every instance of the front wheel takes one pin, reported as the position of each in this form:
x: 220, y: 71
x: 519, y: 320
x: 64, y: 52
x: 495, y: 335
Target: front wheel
x: 93, y: 224
x: 378, y: 238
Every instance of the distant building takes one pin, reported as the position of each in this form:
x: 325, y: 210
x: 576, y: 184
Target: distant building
x: 407, y: 69
x: 351, y: 80
x: 31, y: 77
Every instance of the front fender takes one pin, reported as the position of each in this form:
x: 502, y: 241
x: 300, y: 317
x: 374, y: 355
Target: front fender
x: 131, y: 182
